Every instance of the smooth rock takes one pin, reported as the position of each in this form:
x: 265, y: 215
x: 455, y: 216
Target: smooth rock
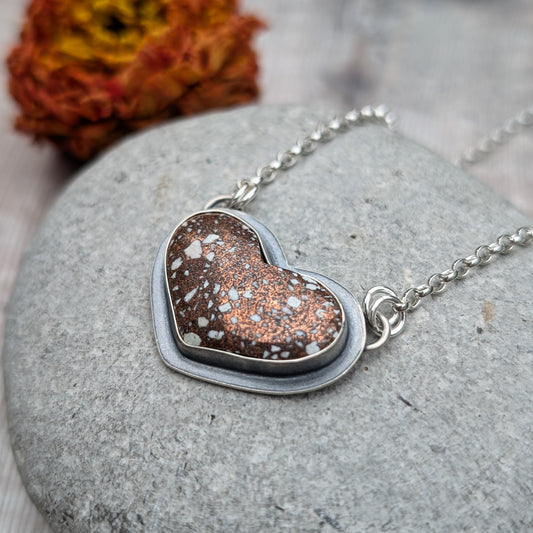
x: 431, y: 433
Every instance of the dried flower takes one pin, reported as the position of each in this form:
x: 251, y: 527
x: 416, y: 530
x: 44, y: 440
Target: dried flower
x: 87, y: 72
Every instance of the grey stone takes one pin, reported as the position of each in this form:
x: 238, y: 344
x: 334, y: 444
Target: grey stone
x: 431, y: 433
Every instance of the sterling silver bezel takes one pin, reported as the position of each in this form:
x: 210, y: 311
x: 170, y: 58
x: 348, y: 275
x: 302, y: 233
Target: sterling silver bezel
x: 212, y: 365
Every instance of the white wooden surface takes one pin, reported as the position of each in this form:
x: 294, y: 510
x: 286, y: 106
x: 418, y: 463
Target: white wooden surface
x: 452, y: 70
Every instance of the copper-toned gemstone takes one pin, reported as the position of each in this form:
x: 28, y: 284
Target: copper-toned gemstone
x: 226, y: 296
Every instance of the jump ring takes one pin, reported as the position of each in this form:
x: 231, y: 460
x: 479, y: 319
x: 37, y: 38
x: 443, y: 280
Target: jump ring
x: 374, y: 299
x: 384, y: 336
x: 223, y: 200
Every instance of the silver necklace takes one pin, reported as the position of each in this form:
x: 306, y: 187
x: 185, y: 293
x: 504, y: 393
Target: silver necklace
x: 228, y: 309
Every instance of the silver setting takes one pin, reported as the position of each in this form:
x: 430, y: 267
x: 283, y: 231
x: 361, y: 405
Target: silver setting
x: 336, y: 363
x: 385, y: 311
x: 274, y: 255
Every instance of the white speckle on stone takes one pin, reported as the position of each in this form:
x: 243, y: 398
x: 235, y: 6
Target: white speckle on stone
x: 194, y: 250
x: 210, y: 304
x: 294, y: 281
x: 287, y: 311
x: 217, y: 335
x: 311, y: 286
x: 176, y: 263
x: 294, y: 302
x: 210, y: 256
x: 216, y: 288
x: 265, y: 282
x: 284, y: 355
x: 233, y: 294
x: 225, y: 308
x: 202, y: 321
x: 246, y: 266
x: 186, y: 273
x: 192, y: 339
x: 247, y: 294
x: 234, y: 320
x: 190, y: 294
x: 312, y: 348
x: 255, y: 318
x: 275, y: 348
x: 266, y: 353
x: 211, y: 238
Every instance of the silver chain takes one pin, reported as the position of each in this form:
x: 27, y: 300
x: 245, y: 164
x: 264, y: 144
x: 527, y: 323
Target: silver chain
x: 247, y: 189
x: 385, y: 311
x: 490, y: 142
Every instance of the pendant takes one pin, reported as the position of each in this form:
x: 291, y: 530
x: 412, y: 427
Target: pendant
x: 228, y: 309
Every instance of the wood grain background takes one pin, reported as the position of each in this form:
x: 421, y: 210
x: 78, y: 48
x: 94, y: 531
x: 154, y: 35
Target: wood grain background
x: 452, y: 70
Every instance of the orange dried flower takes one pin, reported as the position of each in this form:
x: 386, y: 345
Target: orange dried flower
x: 88, y: 71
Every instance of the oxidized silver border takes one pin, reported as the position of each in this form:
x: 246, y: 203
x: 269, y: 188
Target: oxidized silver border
x: 354, y: 335
x: 211, y: 356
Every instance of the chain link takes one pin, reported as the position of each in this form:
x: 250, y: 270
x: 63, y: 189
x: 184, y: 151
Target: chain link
x: 247, y: 189
x: 382, y: 303
x: 490, y: 142
x: 384, y: 310
x: 483, y: 255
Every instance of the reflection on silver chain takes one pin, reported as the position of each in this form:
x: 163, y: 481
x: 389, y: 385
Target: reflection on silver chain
x: 483, y: 255
x: 382, y: 304
x: 246, y: 189
x: 384, y: 310
x: 490, y: 142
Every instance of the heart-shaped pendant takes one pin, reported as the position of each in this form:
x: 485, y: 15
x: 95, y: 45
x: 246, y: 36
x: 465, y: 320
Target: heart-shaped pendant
x: 228, y: 309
